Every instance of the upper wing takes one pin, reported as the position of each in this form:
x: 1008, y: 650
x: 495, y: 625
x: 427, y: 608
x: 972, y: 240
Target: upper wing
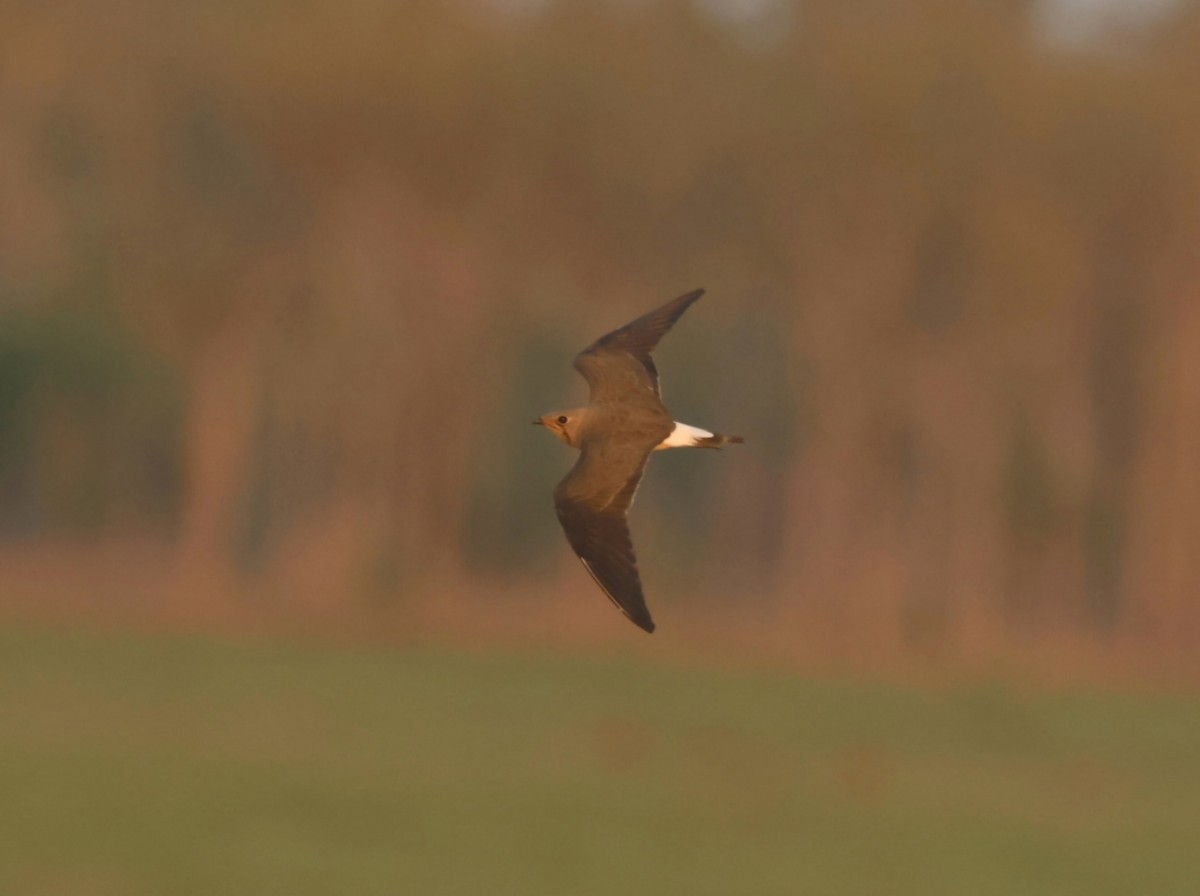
x: 592, y: 503
x: 618, y: 365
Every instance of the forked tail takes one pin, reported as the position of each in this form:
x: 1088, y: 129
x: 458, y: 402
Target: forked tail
x: 717, y: 439
x: 684, y: 436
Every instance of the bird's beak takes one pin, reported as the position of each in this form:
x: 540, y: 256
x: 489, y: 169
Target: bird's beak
x: 538, y: 423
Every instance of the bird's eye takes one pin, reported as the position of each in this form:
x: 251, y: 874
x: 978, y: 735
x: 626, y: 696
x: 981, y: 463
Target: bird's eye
x: 562, y: 420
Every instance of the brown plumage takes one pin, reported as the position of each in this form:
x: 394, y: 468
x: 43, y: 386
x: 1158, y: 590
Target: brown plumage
x: 623, y: 423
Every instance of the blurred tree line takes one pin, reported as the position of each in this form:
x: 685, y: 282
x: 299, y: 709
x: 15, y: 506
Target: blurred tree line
x: 282, y: 285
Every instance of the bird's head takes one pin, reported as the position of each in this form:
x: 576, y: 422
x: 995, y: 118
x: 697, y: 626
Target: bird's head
x: 564, y: 424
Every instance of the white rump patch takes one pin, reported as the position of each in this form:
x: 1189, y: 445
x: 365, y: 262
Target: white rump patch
x: 684, y: 436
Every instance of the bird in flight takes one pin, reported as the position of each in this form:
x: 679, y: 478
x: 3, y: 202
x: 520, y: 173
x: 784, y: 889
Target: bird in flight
x: 623, y: 423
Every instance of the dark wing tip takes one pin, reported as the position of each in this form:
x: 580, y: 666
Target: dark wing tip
x: 635, y: 611
x: 602, y: 543
x: 639, y: 337
x: 629, y: 600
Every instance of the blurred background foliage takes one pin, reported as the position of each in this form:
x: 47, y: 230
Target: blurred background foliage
x: 281, y: 286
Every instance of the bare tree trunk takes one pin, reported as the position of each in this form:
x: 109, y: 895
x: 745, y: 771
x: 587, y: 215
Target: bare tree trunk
x: 218, y: 433
x: 1163, y: 573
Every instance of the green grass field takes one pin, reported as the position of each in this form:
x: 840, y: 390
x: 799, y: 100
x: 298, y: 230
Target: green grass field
x: 171, y: 765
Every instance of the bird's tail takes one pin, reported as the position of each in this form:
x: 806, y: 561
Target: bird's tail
x: 716, y: 440
x: 684, y: 436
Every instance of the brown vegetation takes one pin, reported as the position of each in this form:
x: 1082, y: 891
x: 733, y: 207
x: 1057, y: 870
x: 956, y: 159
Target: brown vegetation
x: 281, y: 286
